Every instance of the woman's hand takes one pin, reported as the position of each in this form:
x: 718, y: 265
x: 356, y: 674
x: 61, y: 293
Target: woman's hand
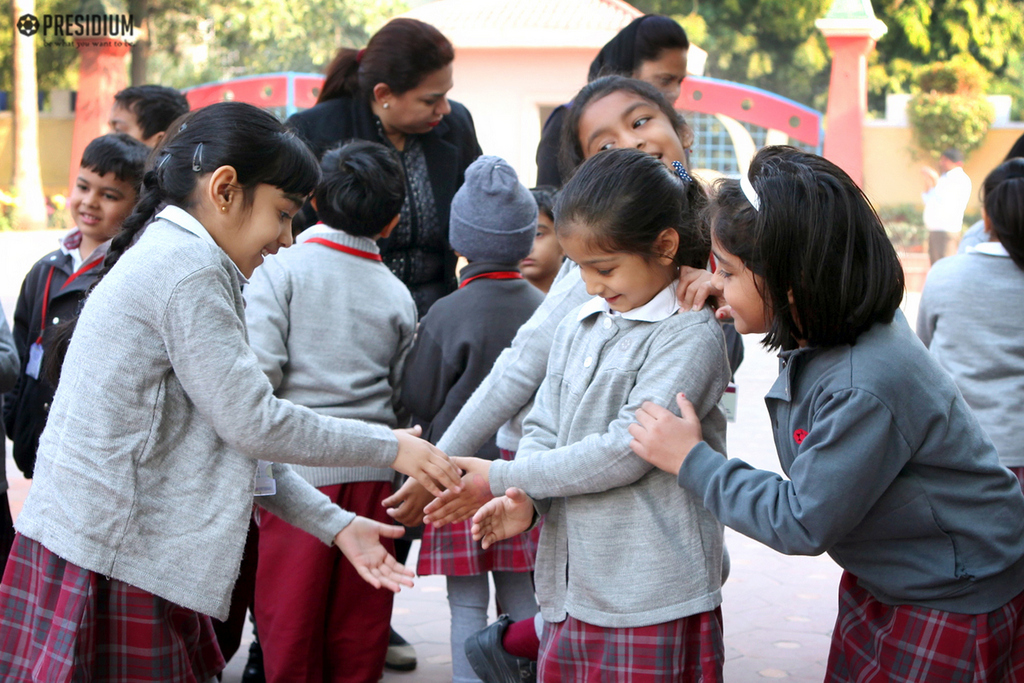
x: 360, y: 543
x: 502, y: 518
x: 423, y: 462
x: 405, y: 505
x: 450, y: 507
x: 661, y: 438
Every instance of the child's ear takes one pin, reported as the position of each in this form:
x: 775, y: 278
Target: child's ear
x: 988, y: 225
x: 312, y: 202
x: 666, y: 245
x: 223, y: 189
x: 388, y: 228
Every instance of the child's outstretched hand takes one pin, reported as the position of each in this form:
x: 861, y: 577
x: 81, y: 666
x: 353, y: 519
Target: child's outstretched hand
x: 502, y: 518
x: 405, y: 505
x: 453, y: 507
x: 661, y: 438
x: 360, y: 543
x: 696, y: 286
x: 422, y: 461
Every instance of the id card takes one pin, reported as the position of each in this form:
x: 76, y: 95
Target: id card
x: 728, y: 402
x: 265, y: 484
x: 35, y: 360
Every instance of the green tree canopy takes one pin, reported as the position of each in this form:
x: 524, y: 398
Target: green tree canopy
x: 773, y: 44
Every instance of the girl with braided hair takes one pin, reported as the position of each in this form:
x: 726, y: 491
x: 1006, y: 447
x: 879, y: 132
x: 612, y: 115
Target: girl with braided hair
x: 133, y: 531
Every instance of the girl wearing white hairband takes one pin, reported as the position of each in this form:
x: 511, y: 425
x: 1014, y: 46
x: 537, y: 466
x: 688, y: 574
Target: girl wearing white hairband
x: 888, y: 469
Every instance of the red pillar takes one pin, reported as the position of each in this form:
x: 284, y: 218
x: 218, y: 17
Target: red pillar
x: 847, y: 102
x: 102, y: 72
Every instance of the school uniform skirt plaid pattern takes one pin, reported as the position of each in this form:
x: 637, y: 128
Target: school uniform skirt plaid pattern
x: 689, y: 649
x: 60, y: 623
x: 875, y: 642
x: 451, y: 550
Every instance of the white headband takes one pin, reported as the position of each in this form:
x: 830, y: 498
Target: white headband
x: 749, y: 193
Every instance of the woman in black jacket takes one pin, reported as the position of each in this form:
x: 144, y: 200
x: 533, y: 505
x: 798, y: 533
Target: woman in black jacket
x: 394, y: 91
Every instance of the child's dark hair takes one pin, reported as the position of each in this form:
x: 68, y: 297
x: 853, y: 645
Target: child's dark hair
x: 643, y: 40
x: 545, y: 196
x: 117, y: 153
x: 400, y: 54
x: 249, y: 139
x: 362, y: 189
x: 626, y: 198
x: 1003, y: 196
x: 826, y: 269
x: 155, y: 106
x: 570, y: 151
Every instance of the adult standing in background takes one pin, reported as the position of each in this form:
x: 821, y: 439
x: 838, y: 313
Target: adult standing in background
x: 945, y: 200
x: 652, y: 48
x: 395, y: 91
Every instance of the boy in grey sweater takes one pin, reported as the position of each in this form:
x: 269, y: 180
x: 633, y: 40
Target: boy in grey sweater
x: 332, y: 326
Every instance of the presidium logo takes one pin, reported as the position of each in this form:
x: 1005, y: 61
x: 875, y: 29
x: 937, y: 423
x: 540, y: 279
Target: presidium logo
x: 117, y: 27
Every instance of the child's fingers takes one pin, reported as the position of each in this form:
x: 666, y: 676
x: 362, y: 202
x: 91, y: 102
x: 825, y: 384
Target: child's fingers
x: 390, y: 530
x: 415, y: 430
x: 638, y: 447
x: 686, y: 408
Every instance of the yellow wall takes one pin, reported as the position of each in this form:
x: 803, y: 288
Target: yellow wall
x: 54, y: 148
x: 892, y: 175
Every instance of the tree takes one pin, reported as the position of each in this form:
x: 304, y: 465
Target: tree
x: 229, y: 39
x: 773, y: 44
x: 30, y: 204
x: 55, y: 63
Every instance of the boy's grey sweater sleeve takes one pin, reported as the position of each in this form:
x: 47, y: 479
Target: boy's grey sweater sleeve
x: 267, y: 299
x: 690, y: 359
x: 517, y: 372
x: 925, y: 318
x: 9, y: 363
x: 400, y: 366
x: 222, y: 377
x: 301, y: 505
x: 855, y: 445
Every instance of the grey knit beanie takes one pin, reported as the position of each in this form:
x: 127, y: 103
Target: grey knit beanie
x: 493, y: 217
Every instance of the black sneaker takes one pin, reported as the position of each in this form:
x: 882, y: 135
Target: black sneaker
x: 492, y: 663
x: 401, y: 655
x: 253, y: 672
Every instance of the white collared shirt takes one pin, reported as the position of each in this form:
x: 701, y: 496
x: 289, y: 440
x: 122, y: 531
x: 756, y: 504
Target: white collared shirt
x: 183, y: 219
x: 989, y: 249
x: 944, y: 204
x: 663, y: 305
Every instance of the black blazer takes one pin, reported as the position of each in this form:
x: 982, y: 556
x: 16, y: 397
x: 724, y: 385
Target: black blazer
x: 449, y: 149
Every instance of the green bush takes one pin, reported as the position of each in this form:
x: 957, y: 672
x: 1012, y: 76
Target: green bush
x: 904, y: 225
x: 961, y: 75
x: 941, y: 120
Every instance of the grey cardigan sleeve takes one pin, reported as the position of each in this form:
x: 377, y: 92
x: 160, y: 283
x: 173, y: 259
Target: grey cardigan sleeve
x: 855, y: 445
x: 688, y: 359
x: 222, y: 377
x: 517, y: 372
x: 267, y: 298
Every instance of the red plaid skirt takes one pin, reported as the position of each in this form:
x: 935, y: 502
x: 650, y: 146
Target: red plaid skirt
x: 60, y: 623
x: 875, y: 642
x: 688, y: 649
x: 1019, y: 473
x: 451, y: 550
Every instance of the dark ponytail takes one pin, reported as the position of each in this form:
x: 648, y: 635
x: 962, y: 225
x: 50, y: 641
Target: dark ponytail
x: 626, y: 198
x: 1003, y: 196
x: 399, y: 55
x: 247, y: 138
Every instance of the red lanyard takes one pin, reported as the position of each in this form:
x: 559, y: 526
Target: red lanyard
x: 348, y: 250
x: 46, y: 292
x: 501, y: 275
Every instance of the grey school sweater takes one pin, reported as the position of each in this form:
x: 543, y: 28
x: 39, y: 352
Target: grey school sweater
x: 332, y: 331
x: 622, y: 545
x: 145, y: 468
x: 981, y: 344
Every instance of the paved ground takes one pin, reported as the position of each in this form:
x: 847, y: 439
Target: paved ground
x: 778, y: 610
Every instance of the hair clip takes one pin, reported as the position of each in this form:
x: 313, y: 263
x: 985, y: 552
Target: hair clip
x: 183, y: 126
x: 197, y: 159
x: 681, y: 171
x: 749, y: 193
x: 163, y: 161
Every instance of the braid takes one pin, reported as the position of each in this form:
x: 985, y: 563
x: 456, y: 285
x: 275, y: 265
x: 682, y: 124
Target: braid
x: 149, y: 201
